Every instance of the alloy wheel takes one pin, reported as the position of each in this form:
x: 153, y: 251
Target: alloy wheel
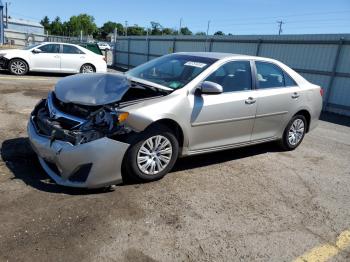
x: 18, y: 67
x: 296, y: 132
x: 87, y: 69
x: 154, y: 155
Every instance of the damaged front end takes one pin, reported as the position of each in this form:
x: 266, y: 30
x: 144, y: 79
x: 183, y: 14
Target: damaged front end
x: 78, y: 151
x: 87, y: 124
x: 83, y: 143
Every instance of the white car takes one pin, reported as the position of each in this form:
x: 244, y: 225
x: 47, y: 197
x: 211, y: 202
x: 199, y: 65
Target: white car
x: 52, y: 57
x: 104, y: 46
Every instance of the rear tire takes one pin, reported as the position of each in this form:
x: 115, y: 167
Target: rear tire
x: 87, y: 68
x: 294, y: 133
x: 18, y: 67
x: 151, y: 155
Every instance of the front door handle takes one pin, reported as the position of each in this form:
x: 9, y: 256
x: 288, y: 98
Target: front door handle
x: 295, y: 95
x: 56, y: 56
x: 250, y: 101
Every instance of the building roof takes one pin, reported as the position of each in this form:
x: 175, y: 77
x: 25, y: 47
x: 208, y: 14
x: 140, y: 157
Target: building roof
x: 20, y: 21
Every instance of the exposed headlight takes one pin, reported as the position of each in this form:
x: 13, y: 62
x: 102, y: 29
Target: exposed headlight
x: 123, y: 116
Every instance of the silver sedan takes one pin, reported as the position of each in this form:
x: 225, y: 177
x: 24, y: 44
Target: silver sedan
x: 95, y: 129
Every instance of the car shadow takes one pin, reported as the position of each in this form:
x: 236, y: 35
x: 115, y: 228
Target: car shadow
x: 6, y: 72
x: 21, y: 160
x: 219, y: 157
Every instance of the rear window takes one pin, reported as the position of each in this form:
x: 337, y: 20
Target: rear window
x: 92, y: 47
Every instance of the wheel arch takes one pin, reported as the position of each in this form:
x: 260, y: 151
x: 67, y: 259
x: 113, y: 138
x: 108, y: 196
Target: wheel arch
x: 20, y: 58
x: 173, y: 126
x: 307, y: 116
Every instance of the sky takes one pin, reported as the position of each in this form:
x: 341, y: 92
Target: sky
x: 230, y: 16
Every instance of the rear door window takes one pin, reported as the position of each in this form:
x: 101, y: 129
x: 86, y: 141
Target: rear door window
x: 272, y: 76
x: 69, y: 49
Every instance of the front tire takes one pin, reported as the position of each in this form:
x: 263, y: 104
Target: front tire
x: 18, y: 67
x: 151, y: 155
x: 294, y: 133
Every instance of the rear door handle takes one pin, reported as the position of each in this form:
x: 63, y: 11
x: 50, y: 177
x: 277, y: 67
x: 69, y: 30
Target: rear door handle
x: 250, y: 101
x: 56, y: 56
x: 295, y: 95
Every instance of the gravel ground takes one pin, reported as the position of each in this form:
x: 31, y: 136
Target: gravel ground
x: 250, y: 204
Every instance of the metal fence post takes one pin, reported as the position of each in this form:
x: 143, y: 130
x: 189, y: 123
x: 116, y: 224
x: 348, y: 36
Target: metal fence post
x: 128, y: 52
x: 114, y: 62
x: 258, y: 47
x: 211, y: 44
x: 174, y: 45
x: 334, y: 71
x: 148, y: 47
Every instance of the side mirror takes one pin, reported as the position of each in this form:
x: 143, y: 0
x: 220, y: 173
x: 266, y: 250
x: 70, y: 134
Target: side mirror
x: 36, y: 51
x: 210, y: 88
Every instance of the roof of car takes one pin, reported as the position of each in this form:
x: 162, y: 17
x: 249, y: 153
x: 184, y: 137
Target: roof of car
x: 218, y: 55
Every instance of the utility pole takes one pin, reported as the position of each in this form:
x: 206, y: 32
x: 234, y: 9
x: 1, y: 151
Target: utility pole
x: 180, y: 26
x: 208, y: 27
x: 206, y: 37
x: 6, y: 14
x: 126, y: 28
x: 280, y: 23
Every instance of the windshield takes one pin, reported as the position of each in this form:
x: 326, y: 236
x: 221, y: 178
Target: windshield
x: 173, y: 71
x: 30, y: 46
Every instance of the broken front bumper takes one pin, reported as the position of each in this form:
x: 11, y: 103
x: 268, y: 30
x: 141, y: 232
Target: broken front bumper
x: 90, y: 165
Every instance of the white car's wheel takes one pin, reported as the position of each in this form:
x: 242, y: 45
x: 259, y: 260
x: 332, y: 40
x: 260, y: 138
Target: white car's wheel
x: 18, y: 67
x: 87, y: 68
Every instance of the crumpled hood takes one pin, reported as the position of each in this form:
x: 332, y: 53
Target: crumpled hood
x: 92, y: 89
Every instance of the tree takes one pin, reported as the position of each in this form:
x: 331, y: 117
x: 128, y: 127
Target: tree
x: 185, y: 31
x: 200, y: 33
x: 82, y: 22
x: 45, y: 22
x: 136, y: 30
x: 108, y: 28
x: 219, y: 33
x: 56, y: 26
x: 156, y: 28
x: 168, y: 31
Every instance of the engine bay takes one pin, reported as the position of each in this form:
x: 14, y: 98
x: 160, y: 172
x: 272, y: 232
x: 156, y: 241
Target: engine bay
x: 79, y: 124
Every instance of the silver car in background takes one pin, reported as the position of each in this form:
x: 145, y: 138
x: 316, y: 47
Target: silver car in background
x: 95, y: 129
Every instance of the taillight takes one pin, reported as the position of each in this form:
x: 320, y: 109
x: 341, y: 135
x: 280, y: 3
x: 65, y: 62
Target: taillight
x: 321, y: 91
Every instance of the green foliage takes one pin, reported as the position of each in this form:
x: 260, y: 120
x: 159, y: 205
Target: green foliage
x: 136, y: 30
x: 82, y: 22
x: 169, y: 31
x: 219, y: 33
x: 156, y: 28
x: 86, y: 24
x: 185, y: 31
x: 45, y: 22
